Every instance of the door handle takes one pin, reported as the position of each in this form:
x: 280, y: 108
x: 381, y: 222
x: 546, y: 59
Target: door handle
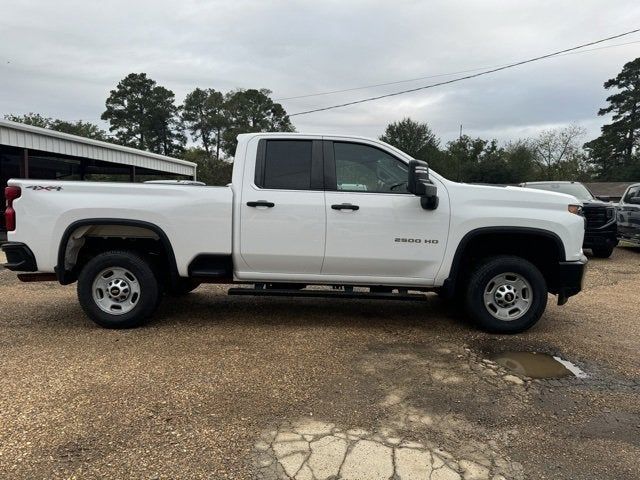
x: 261, y: 203
x: 345, y: 206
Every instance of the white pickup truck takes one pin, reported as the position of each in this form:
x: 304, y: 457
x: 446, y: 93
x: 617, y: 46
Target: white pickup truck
x: 354, y: 216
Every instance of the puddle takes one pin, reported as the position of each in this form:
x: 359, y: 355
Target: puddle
x: 537, y: 365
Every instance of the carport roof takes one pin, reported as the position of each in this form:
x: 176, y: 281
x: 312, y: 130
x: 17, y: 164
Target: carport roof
x: 19, y: 135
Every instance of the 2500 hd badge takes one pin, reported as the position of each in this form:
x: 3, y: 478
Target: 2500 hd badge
x: 431, y: 241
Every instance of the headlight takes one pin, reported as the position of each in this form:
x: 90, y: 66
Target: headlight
x: 575, y: 209
x: 611, y: 212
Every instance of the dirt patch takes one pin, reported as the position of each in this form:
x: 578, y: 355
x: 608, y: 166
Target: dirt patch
x: 192, y: 394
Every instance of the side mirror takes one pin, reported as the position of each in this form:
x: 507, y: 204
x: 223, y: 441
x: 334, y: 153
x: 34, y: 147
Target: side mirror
x: 604, y: 198
x: 420, y: 185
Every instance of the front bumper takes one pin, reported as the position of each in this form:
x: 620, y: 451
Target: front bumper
x: 569, y: 278
x: 19, y: 257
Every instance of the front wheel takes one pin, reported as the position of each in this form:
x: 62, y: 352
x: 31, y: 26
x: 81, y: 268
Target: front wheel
x: 602, y: 252
x: 506, y: 294
x: 118, y: 290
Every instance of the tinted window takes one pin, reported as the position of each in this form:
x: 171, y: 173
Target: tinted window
x: 49, y: 167
x: 633, y: 195
x: 361, y: 168
x: 287, y: 165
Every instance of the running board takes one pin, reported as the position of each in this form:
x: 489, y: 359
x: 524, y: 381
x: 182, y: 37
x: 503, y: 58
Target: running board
x: 274, y: 292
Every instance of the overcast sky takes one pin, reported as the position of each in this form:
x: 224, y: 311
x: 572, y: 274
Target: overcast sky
x: 61, y: 58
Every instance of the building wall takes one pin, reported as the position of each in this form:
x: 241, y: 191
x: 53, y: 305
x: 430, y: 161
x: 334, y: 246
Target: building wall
x: 18, y: 135
x: 45, y: 165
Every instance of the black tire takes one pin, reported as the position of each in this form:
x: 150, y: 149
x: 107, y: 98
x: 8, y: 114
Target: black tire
x: 146, y: 301
x: 602, y: 252
x: 184, y: 287
x: 480, y: 280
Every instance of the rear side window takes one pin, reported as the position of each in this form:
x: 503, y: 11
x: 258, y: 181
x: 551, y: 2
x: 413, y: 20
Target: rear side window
x: 286, y: 165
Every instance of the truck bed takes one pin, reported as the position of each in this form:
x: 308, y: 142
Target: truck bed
x: 196, y: 219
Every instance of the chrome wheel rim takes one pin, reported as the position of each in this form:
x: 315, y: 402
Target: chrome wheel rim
x: 508, y: 296
x: 116, y: 290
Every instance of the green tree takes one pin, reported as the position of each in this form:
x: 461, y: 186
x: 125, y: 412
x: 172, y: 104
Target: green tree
x: 413, y: 138
x: 166, y: 131
x: 33, y: 119
x: 520, y: 158
x: 143, y: 114
x: 203, y: 114
x: 614, y: 154
x: 80, y: 128
x: 476, y: 160
x: 252, y: 111
x: 464, y: 157
x: 211, y: 171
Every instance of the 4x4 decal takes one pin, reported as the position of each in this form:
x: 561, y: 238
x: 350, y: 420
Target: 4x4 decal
x: 48, y: 188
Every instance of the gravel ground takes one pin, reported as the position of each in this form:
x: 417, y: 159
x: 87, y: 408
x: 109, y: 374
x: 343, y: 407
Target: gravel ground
x: 239, y: 387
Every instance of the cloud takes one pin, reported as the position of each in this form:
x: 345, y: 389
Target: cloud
x: 62, y: 58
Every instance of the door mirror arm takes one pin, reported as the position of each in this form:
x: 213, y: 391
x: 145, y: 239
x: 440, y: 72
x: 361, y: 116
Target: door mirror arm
x: 419, y: 184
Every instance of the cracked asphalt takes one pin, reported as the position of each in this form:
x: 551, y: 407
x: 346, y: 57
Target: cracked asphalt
x: 272, y: 388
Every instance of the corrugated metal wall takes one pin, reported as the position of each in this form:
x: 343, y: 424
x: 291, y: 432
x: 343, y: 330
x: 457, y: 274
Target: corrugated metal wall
x: 40, y: 139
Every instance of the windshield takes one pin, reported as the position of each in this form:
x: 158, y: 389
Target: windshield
x: 576, y: 189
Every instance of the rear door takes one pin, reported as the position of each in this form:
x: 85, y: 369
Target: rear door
x: 375, y: 227
x: 282, y: 210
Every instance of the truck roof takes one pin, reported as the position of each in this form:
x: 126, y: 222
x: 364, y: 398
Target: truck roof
x: 247, y: 136
x: 301, y: 134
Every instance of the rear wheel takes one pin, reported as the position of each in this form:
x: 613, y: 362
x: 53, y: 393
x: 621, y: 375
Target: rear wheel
x: 118, y: 290
x: 506, y: 294
x: 602, y: 252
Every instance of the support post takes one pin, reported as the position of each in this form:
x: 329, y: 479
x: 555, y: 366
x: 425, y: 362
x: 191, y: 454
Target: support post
x: 24, y: 165
x: 83, y: 168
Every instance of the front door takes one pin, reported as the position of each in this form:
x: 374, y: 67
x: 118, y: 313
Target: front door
x: 629, y: 214
x: 375, y: 227
x: 282, y: 212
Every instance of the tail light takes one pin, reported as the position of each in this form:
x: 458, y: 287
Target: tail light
x: 11, y: 193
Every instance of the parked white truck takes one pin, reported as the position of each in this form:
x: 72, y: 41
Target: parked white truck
x: 352, y: 214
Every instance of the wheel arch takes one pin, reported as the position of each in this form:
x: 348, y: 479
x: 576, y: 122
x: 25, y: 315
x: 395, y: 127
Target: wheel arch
x: 66, y: 276
x: 486, y: 241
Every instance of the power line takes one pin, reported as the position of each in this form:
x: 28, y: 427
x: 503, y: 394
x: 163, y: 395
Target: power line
x: 396, y: 82
x: 467, y: 77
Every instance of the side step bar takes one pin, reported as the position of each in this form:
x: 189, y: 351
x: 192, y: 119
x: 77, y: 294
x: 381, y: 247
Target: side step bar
x: 274, y: 292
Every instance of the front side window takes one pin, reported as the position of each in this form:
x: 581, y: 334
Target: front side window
x: 362, y: 168
x: 633, y: 195
x: 287, y: 165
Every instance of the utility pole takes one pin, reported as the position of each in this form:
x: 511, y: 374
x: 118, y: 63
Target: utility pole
x: 459, y: 159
